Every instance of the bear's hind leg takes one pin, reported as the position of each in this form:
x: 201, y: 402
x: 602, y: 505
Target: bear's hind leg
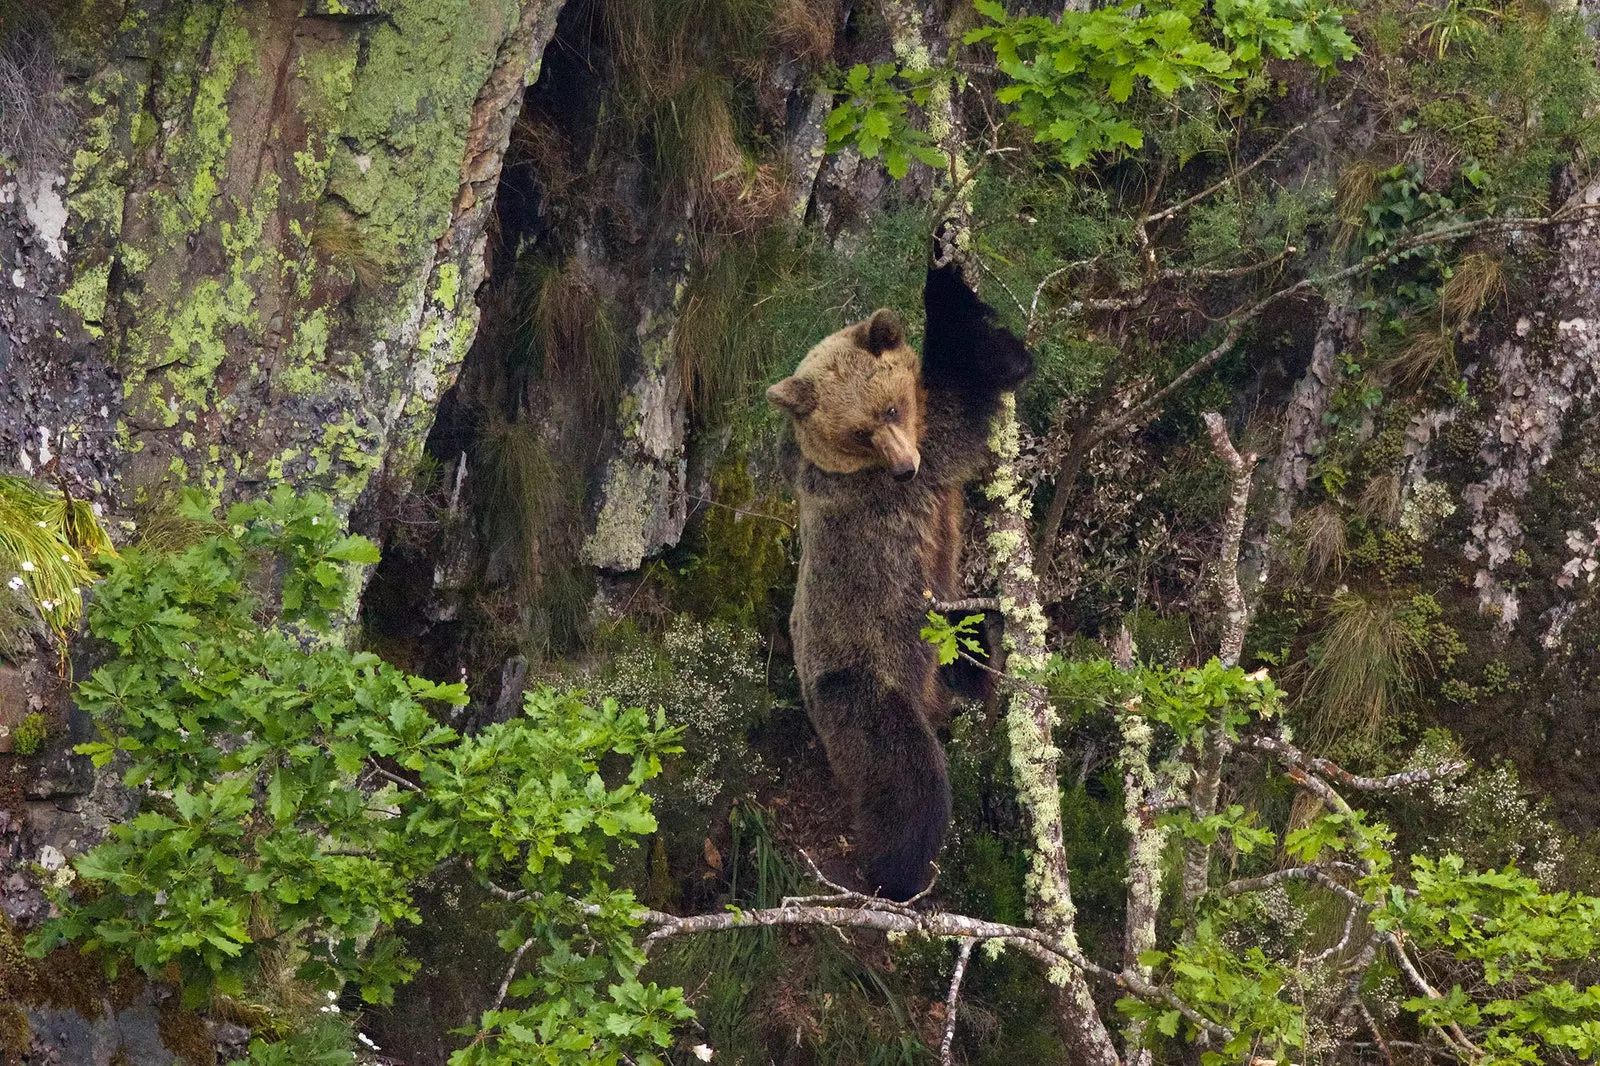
x: 888, y: 759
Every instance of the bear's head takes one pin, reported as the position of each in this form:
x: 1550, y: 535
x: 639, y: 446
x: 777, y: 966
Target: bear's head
x: 857, y: 399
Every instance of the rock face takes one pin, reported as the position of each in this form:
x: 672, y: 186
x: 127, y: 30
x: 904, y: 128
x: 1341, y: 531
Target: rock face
x: 250, y: 253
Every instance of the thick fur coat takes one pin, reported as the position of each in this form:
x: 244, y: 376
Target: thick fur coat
x: 887, y: 444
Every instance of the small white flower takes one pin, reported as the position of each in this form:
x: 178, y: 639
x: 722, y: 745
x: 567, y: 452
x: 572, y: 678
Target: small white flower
x: 47, y: 605
x: 27, y: 566
x: 66, y: 558
x: 76, y: 591
x: 367, y: 1040
x: 316, y: 520
x: 41, y: 525
x: 16, y: 582
x: 702, y: 1052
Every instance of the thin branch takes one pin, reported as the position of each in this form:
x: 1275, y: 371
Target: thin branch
x: 1000, y: 675
x: 511, y: 972
x: 951, y: 1001
x: 976, y: 603
x: 998, y: 280
x: 1294, y: 873
x: 939, y: 924
x: 1237, y: 321
x: 1212, y: 743
x: 396, y: 778
x: 1291, y: 755
x: 735, y: 510
x: 1338, y: 947
x: 1293, y: 131
x: 1184, y: 273
x: 1038, y: 291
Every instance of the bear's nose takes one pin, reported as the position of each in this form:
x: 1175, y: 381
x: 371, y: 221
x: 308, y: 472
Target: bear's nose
x: 905, y: 473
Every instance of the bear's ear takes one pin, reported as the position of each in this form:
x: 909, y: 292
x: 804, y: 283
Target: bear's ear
x: 884, y: 331
x: 795, y: 395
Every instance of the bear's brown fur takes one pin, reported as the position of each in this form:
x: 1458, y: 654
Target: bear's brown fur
x: 886, y: 446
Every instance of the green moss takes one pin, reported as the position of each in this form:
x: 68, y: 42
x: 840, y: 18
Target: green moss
x: 734, y: 561
x: 30, y: 734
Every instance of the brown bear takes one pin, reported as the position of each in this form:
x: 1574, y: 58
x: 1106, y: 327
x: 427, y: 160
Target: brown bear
x: 887, y: 443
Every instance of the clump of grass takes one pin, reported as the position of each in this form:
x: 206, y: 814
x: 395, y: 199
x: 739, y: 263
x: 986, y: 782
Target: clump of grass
x: 1323, y: 537
x: 716, y: 342
x: 337, y: 239
x: 805, y: 28
x: 695, y: 146
x: 1477, y: 280
x: 1422, y: 355
x: 519, y: 486
x: 35, y: 112
x: 46, y: 542
x: 1356, y: 187
x: 576, y: 338
x: 1369, y: 660
x: 1380, y: 500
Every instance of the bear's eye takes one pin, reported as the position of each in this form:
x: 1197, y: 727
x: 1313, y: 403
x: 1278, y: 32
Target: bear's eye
x: 863, y: 436
x: 892, y: 415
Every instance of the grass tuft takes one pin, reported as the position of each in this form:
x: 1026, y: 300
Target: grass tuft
x: 575, y: 335
x: 1477, y: 280
x: 1419, y: 358
x: 1322, y: 533
x: 1368, y: 661
x: 46, y: 542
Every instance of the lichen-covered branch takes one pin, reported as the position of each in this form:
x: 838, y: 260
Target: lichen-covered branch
x: 886, y: 917
x: 1147, y: 841
x: 1296, y: 760
x: 1030, y: 723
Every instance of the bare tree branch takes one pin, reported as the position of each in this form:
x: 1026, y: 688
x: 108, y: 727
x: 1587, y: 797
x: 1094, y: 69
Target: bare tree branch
x: 1277, y: 146
x: 511, y: 972
x: 1314, y: 874
x: 951, y: 1000
x: 1295, y: 758
x: 1212, y: 743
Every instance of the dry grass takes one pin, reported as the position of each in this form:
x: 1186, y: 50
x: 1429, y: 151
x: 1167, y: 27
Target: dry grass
x: 1357, y: 185
x: 1322, y: 534
x: 576, y: 336
x: 1478, y: 280
x: 35, y: 115
x: 1422, y: 355
x: 805, y: 28
x: 337, y: 240
x: 1368, y: 662
x: 1380, y: 500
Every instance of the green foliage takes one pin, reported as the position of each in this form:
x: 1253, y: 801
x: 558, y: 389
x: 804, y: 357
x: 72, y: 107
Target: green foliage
x: 1079, y: 79
x: 1072, y: 78
x: 278, y: 826
x: 524, y: 802
x: 874, y: 120
x: 953, y: 639
x: 1525, y: 946
x: 30, y: 734
x: 1234, y: 988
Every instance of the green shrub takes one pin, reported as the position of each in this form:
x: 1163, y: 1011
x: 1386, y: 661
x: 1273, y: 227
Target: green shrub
x: 292, y: 792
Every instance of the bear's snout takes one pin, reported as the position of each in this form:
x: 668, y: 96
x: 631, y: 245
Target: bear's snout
x: 904, y: 471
